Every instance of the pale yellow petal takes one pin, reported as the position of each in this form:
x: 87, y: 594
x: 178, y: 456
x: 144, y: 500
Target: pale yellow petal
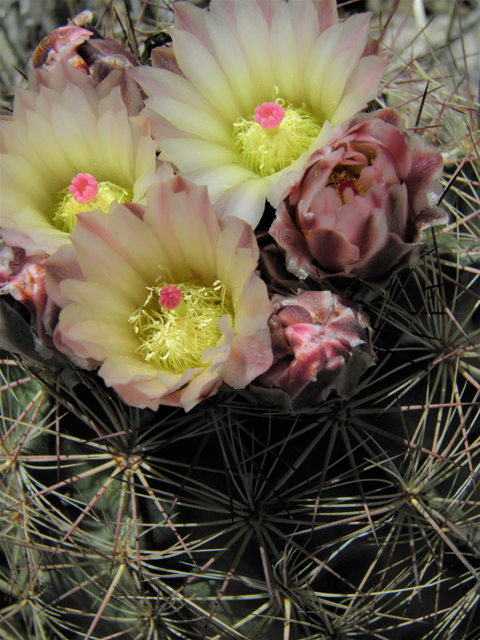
x: 190, y: 119
x: 230, y: 57
x: 220, y: 178
x: 100, y: 302
x: 205, y: 74
x: 284, y: 54
x: 190, y: 155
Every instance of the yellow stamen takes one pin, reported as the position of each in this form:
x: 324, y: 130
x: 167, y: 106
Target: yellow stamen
x: 175, y: 342
x: 64, y: 213
x: 266, y: 151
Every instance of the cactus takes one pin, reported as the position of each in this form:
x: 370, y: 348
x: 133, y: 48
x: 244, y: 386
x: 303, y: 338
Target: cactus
x: 354, y: 518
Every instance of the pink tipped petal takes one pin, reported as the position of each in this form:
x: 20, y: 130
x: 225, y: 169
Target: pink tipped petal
x: 335, y: 250
x: 292, y: 241
x: 307, y: 25
x: 284, y: 53
x: 327, y: 13
x: 251, y: 355
x: 364, y: 82
x: 192, y: 19
x: 229, y: 53
x: 212, y: 83
x: 254, y: 34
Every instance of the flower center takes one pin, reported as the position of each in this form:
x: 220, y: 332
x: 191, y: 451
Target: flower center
x: 342, y: 179
x: 172, y: 298
x: 85, y: 194
x: 269, y: 115
x: 275, y: 136
x: 176, y: 323
x: 84, y: 188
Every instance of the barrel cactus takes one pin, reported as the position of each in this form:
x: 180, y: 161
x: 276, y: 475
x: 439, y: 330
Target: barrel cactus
x: 308, y: 468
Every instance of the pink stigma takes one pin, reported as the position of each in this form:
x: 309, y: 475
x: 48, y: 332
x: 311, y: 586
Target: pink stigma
x: 347, y: 184
x: 170, y: 297
x: 84, y: 188
x: 269, y: 115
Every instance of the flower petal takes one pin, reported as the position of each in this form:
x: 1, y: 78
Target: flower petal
x: 204, y: 73
x: 220, y: 178
x: 92, y: 338
x: 305, y: 23
x: 284, y: 54
x: 101, y: 302
x: 230, y: 56
x: 190, y: 119
x: 190, y: 155
x: 255, y: 34
x: 368, y: 73
x: 100, y: 262
x: 247, y: 201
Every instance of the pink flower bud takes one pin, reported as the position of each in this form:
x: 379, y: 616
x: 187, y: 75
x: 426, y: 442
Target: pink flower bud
x: 321, y: 342
x: 362, y: 203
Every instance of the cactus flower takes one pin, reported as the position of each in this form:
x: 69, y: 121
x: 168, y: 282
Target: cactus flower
x: 361, y: 205
x: 61, y: 129
x: 259, y: 86
x: 167, y: 303
x: 321, y: 342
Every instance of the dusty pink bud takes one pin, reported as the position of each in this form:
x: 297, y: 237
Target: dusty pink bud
x: 361, y: 205
x: 84, y: 188
x: 269, y: 115
x: 321, y: 342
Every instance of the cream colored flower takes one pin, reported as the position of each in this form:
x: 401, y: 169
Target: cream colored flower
x: 263, y: 84
x: 60, y: 129
x: 169, y: 306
